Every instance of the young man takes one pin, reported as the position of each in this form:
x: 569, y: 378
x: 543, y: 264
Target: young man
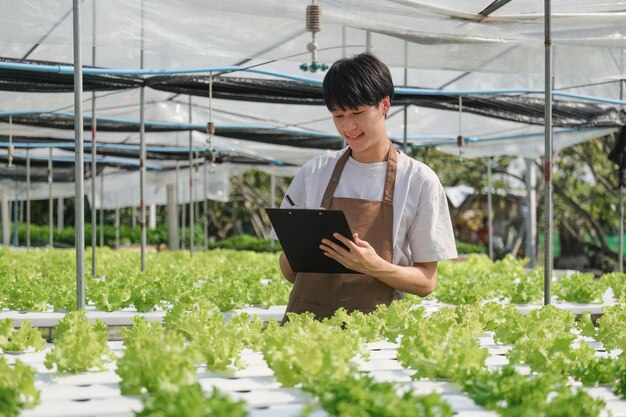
x: 395, y: 205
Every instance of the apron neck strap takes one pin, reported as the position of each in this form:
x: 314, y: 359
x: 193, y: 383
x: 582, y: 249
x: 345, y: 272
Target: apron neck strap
x: 390, y: 176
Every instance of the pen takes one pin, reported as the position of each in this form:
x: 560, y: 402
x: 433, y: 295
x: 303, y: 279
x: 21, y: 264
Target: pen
x: 290, y: 200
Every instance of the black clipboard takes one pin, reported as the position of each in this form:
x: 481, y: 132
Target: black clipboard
x: 300, y: 232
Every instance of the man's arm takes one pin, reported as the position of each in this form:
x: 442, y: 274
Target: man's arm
x: 419, y: 279
x: 285, y: 268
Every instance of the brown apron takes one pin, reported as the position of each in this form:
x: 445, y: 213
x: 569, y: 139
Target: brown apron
x: 322, y: 294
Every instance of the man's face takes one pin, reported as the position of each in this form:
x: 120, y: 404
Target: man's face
x: 363, y: 129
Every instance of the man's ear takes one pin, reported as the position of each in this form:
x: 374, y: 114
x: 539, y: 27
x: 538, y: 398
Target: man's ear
x: 386, y: 103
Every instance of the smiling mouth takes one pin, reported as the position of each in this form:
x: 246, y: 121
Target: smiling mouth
x: 354, y: 137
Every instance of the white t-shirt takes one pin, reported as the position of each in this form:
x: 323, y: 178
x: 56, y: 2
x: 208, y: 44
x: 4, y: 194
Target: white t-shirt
x: 422, y: 230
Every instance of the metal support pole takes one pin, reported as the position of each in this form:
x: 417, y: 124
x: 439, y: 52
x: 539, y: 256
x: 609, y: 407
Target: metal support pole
x: 16, y: 240
x: 102, y: 208
x: 191, y: 213
x: 490, y: 208
x: 60, y: 214
x: 117, y: 227
x: 620, y: 257
x: 142, y: 180
x: 79, y: 207
x: 50, y: 205
x: 205, y: 203
x: 368, y: 41
x: 172, y: 218
x: 272, y: 202
x: 531, y: 218
x: 6, y: 221
x: 179, y: 232
x: 27, y: 198
x: 547, y: 231
x: 94, y: 151
x: 142, y: 160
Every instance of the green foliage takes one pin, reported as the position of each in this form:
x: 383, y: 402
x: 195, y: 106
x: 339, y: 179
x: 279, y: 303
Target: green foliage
x: 464, y: 248
x: 580, y: 288
x: 595, y: 370
x: 190, y: 401
x: 617, y: 282
x: 442, y: 347
x: 360, y: 397
x: 612, y: 328
x: 546, y: 342
x: 512, y: 394
x: 78, y: 344
x: 306, y: 351
x: 215, y: 342
x: 154, y: 360
x: 19, y: 340
x: 17, y: 388
x: 246, y: 242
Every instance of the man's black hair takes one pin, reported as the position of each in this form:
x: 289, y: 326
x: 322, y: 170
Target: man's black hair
x: 357, y: 81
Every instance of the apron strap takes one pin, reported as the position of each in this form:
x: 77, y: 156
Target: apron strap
x: 390, y: 177
x: 334, y: 179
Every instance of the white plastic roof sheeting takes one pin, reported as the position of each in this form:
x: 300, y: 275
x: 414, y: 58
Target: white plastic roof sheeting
x: 448, y: 46
x: 443, y: 34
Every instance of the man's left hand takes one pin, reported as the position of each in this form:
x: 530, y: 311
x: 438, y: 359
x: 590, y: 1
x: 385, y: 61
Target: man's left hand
x: 360, y: 255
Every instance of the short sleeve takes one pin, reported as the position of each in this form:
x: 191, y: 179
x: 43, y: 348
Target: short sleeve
x: 431, y: 237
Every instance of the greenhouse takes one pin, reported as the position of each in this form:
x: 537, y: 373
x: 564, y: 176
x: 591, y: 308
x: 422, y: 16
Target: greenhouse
x: 173, y: 175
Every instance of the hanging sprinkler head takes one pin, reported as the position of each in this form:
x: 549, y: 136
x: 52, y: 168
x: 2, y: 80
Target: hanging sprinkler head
x: 460, y: 141
x: 313, y: 25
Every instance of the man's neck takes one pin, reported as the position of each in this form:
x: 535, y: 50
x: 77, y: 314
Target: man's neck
x: 376, y: 154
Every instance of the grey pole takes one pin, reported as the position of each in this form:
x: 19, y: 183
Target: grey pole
x: 343, y: 41
x: 16, y: 219
x: 6, y: 221
x: 272, y: 202
x: 117, y: 227
x: 620, y: 257
x: 142, y: 160
x: 60, y: 213
x: 548, y: 155
x: 368, y: 41
x: 531, y: 219
x: 50, y: 205
x: 191, y: 214
x: 180, y: 232
x: 94, y: 151
x: 489, y: 208
x: 205, y: 211
x: 78, y: 135
x: 620, y: 247
x: 27, y: 198
x: 102, y: 209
